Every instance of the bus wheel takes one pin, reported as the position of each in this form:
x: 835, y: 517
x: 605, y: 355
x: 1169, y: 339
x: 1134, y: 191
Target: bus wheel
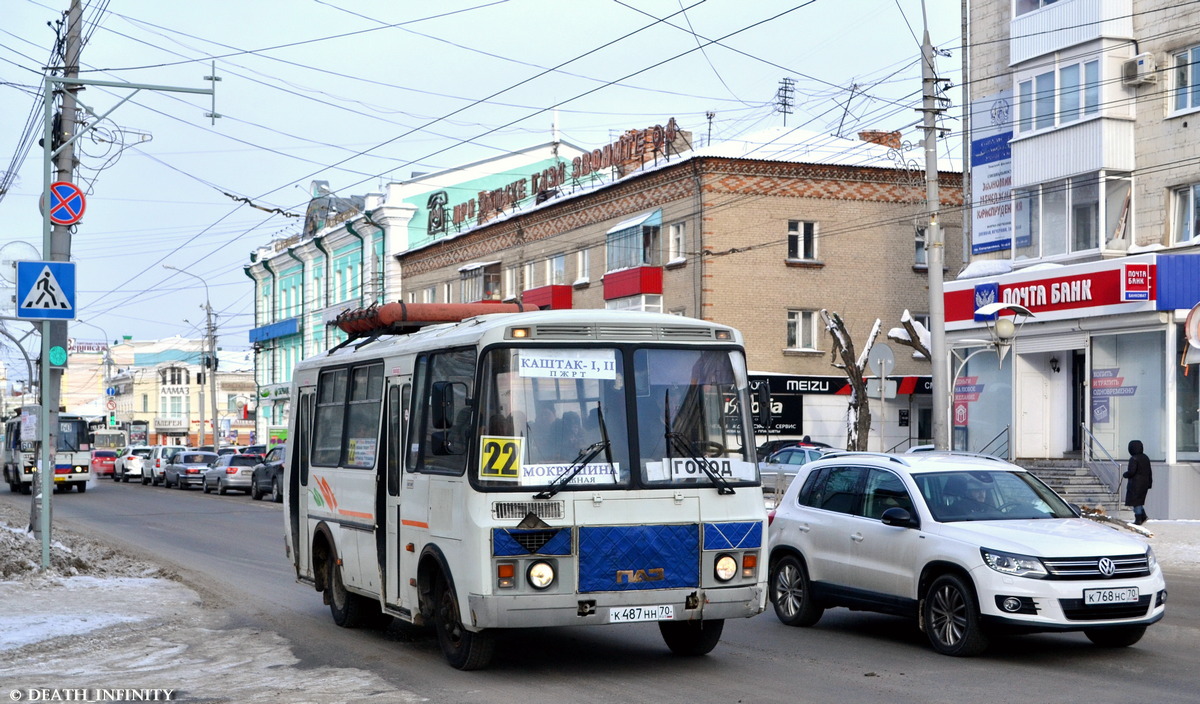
x: 691, y: 637
x: 463, y: 649
x: 348, y: 609
x: 81, y: 486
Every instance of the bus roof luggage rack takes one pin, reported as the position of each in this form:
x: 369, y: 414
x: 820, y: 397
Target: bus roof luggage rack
x: 401, y: 318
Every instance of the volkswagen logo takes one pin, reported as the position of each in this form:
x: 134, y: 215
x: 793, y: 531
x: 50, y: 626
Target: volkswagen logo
x: 1106, y: 566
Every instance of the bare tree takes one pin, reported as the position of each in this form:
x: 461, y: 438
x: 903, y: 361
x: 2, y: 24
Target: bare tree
x: 913, y: 335
x: 858, y: 414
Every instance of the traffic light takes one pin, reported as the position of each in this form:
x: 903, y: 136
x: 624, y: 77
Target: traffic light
x: 112, y: 420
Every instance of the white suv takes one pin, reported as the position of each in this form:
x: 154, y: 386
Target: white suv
x: 969, y: 545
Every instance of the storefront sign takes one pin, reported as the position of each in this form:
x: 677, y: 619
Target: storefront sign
x: 630, y: 148
x: 1136, y: 283
x: 76, y: 347
x: 1100, y: 288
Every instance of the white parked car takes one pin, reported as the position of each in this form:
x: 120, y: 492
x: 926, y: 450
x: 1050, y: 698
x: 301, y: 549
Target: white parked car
x: 130, y: 462
x: 968, y: 545
x: 157, y: 463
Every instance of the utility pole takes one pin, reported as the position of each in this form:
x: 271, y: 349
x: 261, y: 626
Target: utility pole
x: 212, y: 367
x: 58, y: 139
x: 783, y: 97
x: 934, y: 244
x: 56, y: 246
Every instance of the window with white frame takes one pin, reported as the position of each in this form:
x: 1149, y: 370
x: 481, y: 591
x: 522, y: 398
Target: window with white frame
x: 480, y: 283
x: 677, y: 243
x: 447, y: 293
x: 802, y: 330
x: 583, y: 264
x: 802, y: 239
x: 556, y: 270
x: 530, y: 276
x: 1185, y: 213
x: 1185, y: 65
x: 1020, y: 7
x: 512, y: 282
x: 647, y: 302
x: 634, y: 246
x: 920, y: 256
x: 1071, y: 215
x: 412, y: 296
x: 431, y: 294
x: 1051, y: 99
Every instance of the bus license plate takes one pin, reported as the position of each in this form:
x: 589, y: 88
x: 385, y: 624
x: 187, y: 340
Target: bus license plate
x: 1098, y: 597
x: 629, y: 614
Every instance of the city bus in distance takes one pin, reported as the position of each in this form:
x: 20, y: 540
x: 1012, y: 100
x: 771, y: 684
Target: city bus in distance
x: 72, y: 460
x: 478, y: 468
x: 109, y: 439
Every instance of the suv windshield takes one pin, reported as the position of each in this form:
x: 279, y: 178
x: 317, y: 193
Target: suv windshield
x: 989, y: 496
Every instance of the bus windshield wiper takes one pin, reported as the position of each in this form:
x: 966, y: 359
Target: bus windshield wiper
x: 680, y: 443
x: 676, y: 440
x: 585, y: 456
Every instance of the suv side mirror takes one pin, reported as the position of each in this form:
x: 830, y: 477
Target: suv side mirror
x: 901, y: 518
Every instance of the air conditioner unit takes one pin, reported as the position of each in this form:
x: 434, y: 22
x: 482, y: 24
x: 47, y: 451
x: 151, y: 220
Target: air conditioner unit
x: 1139, y: 70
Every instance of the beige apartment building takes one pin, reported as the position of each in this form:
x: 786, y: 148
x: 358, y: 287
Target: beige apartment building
x: 1085, y: 190
x: 761, y: 234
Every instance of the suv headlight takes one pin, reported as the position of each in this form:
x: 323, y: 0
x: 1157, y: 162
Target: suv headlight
x: 1151, y: 560
x: 1014, y: 565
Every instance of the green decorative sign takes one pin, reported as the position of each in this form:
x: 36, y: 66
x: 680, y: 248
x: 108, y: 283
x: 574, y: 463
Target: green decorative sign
x: 58, y: 356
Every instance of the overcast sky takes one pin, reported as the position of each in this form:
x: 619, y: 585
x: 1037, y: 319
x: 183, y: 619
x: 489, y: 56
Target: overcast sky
x: 363, y: 92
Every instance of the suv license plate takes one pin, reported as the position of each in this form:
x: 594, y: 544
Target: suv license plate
x: 1098, y: 597
x: 629, y: 614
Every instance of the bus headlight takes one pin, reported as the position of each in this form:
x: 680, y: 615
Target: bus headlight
x: 726, y: 567
x: 540, y: 575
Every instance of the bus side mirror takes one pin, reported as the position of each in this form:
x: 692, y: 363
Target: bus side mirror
x: 763, y: 394
x: 441, y: 405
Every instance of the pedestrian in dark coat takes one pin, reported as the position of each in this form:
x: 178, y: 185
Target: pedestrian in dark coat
x: 1140, y: 480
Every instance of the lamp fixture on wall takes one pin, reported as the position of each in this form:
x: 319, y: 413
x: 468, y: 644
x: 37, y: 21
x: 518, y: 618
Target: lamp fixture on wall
x: 1054, y: 365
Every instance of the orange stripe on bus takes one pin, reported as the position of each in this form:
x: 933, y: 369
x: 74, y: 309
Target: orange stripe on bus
x: 356, y: 514
x: 415, y: 524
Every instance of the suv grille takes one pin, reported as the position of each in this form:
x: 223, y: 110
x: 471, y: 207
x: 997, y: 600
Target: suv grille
x: 1089, y: 567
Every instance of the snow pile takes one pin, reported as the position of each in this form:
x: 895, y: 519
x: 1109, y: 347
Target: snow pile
x: 99, y: 618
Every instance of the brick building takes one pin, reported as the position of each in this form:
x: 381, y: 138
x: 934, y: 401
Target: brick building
x: 760, y: 233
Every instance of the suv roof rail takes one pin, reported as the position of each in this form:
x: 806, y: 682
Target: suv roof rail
x: 963, y: 453
x: 844, y: 453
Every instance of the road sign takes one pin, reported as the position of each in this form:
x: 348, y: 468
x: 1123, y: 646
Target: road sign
x: 111, y: 391
x: 46, y: 290
x: 67, y: 203
x: 111, y: 405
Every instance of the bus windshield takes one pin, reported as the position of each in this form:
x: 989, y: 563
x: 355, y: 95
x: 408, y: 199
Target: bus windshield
x: 685, y: 418
x: 543, y: 408
x: 549, y: 412
x: 72, y: 435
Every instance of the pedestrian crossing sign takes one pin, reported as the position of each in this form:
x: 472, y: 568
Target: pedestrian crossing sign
x: 46, y: 290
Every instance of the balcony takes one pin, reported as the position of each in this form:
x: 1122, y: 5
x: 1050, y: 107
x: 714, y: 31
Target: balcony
x: 1065, y: 24
x: 1084, y: 147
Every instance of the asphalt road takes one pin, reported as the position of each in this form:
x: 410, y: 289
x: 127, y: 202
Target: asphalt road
x: 230, y: 549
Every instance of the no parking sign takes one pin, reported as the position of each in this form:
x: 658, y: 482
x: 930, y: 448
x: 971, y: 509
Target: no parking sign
x: 67, y: 203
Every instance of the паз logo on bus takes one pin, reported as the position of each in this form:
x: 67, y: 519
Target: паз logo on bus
x: 654, y: 574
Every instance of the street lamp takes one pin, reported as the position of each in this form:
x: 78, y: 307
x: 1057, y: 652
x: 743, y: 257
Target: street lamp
x: 1001, y: 331
x: 211, y: 362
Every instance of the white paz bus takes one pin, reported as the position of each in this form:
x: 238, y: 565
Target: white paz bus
x: 479, y: 470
